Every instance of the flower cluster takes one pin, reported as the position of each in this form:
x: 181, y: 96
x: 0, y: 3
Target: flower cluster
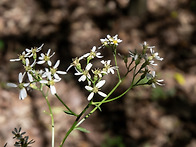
x: 93, y: 76
x: 147, y: 59
x: 47, y: 76
x: 109, y: 41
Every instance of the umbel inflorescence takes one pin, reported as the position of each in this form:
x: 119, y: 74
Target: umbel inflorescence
x: 139, y: 63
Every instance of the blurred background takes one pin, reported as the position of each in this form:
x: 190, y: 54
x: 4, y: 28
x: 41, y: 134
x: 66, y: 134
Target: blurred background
x: 144, y: 117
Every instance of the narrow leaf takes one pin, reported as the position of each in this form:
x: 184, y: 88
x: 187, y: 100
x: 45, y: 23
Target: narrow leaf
x: 82, y: 130
x: 68, y: 112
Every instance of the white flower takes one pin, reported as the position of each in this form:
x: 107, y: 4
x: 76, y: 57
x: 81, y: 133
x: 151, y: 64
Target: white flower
x: 114, y: 40
x: 55, y: 72
x: 51, y: 82
x: 133, y: 55
x: 85, y: 73
x: 153, y: 80
x: 45, y: 58
x: 144, y: 44
x: 21, y: 86
x: 155, y: 54
x: 107, y: 67
x: 105, y: 42
x: 95, y: 89
x: 97, y: 72
x: 93, y: 54
x: 32, y: 52
x: 29, y: 68
x: 110, y: 40
x: 21, y: 57
x: 76, y: 63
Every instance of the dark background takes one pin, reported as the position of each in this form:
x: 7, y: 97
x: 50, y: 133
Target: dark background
x: 145, y: 117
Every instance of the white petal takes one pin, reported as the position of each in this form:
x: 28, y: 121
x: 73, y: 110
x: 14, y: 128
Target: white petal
x: 153, y: 85
x: 102, y: 94
x: 56, y: 76
x: 57, y: 80
x: 88, y: 88
x: 23, y: 94
x: 39, y: 48
x: 61, y: 72
x: 49, y: 63
x: 12, y: 60
x: 153, y: 74
x: 108, y: 62
x: 27, y: 61
x: 102, y: 61
x: 89, y: 66
x: 44, y: 81
x: 11, y: 85
x: 90, y: 96
x: 100, y: 83
x: 93, y: 49
x: 48, y: 52
x: 30, y: 77
x: 20, y: 77
x: 69, y: 68
x: 57, y: 64
x: 41, y: 62
x: 82, y: 78
x: 53, y: 90
x: 160, y: 80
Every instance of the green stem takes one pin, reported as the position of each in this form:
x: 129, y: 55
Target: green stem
x: 65, y: 105
x: 51, y: 115
x: 116, y: 64
x: 115, y: 98
x: 74, y: 125
x: 100, y: 103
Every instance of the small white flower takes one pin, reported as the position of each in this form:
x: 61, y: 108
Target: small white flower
x: 105, y: 42
x: 76, y: 62
x: 95, y: 89
x: 21, y: 86
x: 133, y: 55
x: 21, y: 57
x: 155, y: 54
x: 114, y: 40
x: 29, y: 68
x: 97, y: 72
x: 51, y: 82
x: 108, y: 67
x: 153, y: 80
x: 55, y: 72
x: 85, y: 73
x: 45, y: 58
x: 93, y: 54
x: 32, y: 52
x: 110, y: 40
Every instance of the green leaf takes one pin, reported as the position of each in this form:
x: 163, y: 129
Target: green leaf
x: 98, y: 108
x: 68, y: 112
x: 82, y: 130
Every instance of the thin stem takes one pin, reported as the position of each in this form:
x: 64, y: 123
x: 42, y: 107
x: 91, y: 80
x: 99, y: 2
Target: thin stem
x: 100, y: 103
x: 51, y: 115
x: 115, y: 98
x: 74, y: 125
x: 116, y: 64
x: 65, y: 105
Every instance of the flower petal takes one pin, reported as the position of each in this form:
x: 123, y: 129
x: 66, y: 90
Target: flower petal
x: 88, y: 88
x: 100, y: 83
x: 23, y: 94
x: 90, y: 96
x: 102, y: 94
x: 52, y: 89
